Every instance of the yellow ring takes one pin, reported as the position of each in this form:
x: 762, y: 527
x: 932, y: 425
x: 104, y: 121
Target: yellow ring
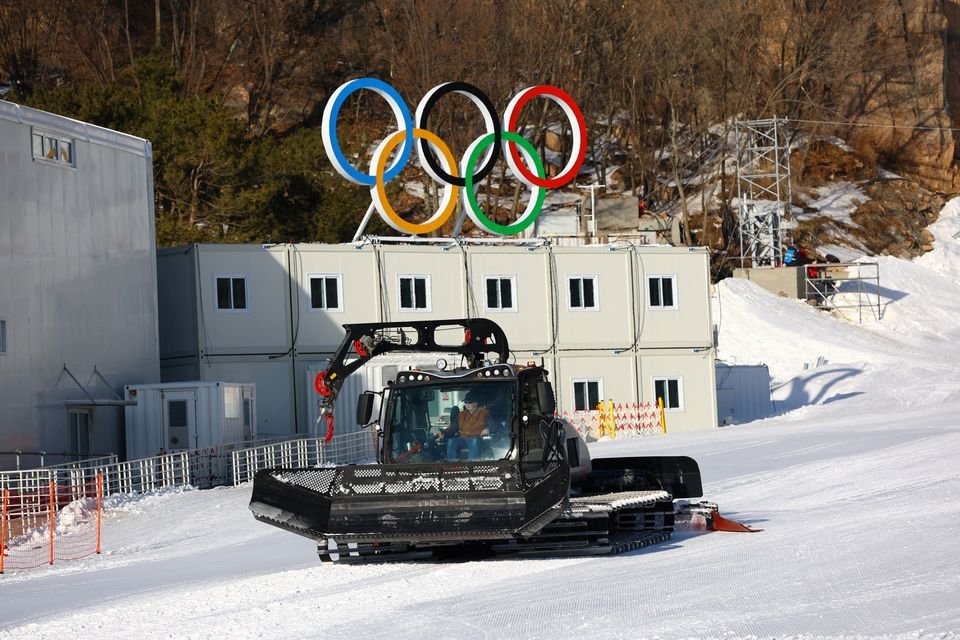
x: 380, y: 195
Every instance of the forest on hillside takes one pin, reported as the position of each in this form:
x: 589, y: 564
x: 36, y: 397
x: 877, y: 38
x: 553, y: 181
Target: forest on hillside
x: 231, y: 92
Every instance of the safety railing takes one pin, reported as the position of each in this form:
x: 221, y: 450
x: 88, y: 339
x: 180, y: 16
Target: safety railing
x: 306, y: 452
x: 36, y: 459
x: 843, y: 286
x: 148, y: 474
x: 86, y: 463
x: 74, y: 483
x: 29, y: 489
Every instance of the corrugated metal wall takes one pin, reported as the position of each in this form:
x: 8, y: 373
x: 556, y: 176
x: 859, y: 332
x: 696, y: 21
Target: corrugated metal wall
x: 77, y: 277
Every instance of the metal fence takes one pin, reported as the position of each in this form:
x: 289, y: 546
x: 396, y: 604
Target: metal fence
x: 28, y: 487
x: 307, y: 452
x: 201, y: 468
x: 37, y: 459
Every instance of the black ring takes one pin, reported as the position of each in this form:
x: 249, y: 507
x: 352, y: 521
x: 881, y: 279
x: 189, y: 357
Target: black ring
x: 428, y: 153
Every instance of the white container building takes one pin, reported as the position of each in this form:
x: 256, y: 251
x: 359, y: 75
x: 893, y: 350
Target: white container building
x: 619, y: 322
x: 174, y: 416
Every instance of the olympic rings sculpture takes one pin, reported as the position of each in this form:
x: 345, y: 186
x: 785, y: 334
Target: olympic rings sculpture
x: 443, y: 168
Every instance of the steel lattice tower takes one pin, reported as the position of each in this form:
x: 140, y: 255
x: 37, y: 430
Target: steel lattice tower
x: 763, y: 189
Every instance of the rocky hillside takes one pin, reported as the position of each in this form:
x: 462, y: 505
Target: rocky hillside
x: 231, y: 96
x: 842, y: 199
x: 910, y: 101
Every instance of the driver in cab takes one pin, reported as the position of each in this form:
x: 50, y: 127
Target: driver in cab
x: 469, y: 426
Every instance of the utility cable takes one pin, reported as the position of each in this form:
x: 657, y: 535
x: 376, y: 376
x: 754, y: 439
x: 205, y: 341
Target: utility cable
x: 872, y: 125
x: 203, y: 324
x: 381, y: 278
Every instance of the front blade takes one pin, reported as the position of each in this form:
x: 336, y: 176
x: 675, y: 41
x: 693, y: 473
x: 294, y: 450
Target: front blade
x: 437, y: 502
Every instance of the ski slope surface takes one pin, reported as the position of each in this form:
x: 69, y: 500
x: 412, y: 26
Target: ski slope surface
x: 855, y: 480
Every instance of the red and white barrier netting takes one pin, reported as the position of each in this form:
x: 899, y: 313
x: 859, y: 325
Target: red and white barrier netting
x: 49, y: 522
x: 624, y: 419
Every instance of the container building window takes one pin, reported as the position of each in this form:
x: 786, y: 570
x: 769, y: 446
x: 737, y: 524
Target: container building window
x: 53, y: 148
x: 662, y: 292
x: 671, y: 391
x: 232, y: 293
x: 325, y: 290
x: 414, y: 293
x: 587, y: 394
x: 3, y: 336
x: 231, y: 403
x: 500, y: 293
x: 178, y: 424
x: 582, y: 292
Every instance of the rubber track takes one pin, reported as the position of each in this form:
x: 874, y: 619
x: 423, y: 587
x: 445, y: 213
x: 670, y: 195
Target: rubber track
x: 590, y: 525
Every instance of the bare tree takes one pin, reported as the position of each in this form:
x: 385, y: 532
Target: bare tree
x: 29, y: 33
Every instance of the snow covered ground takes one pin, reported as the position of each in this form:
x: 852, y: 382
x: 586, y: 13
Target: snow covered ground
x: 855, y: 481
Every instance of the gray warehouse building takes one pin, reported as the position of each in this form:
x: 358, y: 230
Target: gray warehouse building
x: 78, y: 302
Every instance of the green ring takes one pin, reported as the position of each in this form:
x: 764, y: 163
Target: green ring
x: 516, y: 227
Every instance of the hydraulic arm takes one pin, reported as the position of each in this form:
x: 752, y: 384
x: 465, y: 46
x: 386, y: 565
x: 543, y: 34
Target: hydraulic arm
x: 476, y: 339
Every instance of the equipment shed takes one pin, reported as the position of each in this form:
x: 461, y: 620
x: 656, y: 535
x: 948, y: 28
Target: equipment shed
x: 743, y: 392
x: 188, y: 415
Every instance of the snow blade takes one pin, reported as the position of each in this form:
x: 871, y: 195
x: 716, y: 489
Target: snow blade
x: 719, y: 523
x: 705, y: 516
x: 410, y: 502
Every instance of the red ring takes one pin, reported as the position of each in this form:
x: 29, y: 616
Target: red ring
x: 562, y: 96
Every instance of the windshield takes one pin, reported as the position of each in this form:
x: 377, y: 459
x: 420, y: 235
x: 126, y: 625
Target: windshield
x: 450, y: 421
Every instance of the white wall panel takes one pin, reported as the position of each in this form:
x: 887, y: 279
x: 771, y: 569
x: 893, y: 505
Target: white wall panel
x: 527, y: 325
x: 320, y: 331
x: 263, y: 326
x: 610, y: 323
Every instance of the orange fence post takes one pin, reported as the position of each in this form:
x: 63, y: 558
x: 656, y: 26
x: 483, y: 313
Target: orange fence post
x: 99, y: 506
x: 3, y: 526
x: 51, y: 520
x: 601, y: 415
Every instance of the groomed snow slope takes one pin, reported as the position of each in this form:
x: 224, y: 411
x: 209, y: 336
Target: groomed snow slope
x: 855, y: 481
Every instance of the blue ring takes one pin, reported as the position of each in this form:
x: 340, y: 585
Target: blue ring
x: 380, y: 86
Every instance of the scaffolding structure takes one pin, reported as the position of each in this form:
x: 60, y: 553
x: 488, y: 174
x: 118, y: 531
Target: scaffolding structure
x: 846, y: 287
x: 763, y: 189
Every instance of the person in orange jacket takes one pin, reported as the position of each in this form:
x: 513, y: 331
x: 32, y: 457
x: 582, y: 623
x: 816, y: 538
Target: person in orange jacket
x: 469, y: 426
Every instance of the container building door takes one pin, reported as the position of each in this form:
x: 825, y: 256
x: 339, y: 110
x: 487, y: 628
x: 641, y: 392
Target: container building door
x: 179, y: 419
x: 80, y: 426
